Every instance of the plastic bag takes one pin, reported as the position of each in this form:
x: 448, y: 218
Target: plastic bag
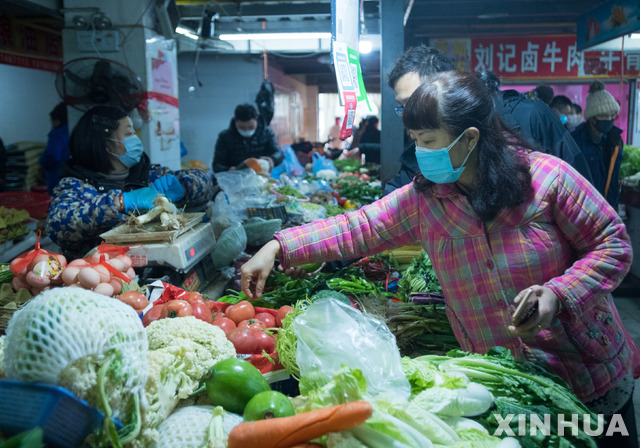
x: 103, y: 272
x: 232, y: 242
x: 259, y: 230
x: 244, y: 189
x: 290, y: 165
x: 331, y: 333
x: 320, y: 163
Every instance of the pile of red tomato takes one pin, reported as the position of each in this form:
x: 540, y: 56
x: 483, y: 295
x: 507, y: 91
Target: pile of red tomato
x: 242, y: 323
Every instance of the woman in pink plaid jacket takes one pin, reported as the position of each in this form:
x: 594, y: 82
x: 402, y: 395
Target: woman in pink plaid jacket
x: 496, y: 219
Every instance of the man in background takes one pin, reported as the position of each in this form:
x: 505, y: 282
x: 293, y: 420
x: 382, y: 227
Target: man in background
x: 601, y: 141
x: 248, y: 137
x: 531, y: 118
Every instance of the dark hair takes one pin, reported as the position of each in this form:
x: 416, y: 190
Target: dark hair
x: 544, y: 93
x: 577, y: 108
x: 423, y: 60
x: 245, y: 112
x: 88, y: 141
x: 373, y: 121
x: 59, y: 113
x: 560, y: 101
x: 455, y: 101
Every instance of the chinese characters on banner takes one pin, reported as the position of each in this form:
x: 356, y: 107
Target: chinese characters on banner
x: 538, y: 57
x: 24, y: 46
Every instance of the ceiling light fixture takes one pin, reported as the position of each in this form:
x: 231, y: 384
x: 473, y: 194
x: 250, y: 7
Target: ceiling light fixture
x: 635, y: 35
x: 274, y: 36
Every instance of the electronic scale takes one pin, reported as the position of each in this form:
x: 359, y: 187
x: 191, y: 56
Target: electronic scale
x: 184, y: 256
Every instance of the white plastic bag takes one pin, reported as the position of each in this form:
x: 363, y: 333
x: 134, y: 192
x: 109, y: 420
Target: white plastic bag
x: 331, y: 333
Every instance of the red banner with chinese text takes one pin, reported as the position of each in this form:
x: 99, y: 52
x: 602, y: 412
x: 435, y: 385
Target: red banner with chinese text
x: 539, y: 57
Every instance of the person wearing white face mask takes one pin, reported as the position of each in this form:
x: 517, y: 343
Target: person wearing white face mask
x: 108, y: 177
x: 248, y: 137
x: 497, y: 220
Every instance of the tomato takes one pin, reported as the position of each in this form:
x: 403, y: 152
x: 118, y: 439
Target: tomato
x: 151, y: 315
x: 365, y: 177
x: 215, y: 306
x: 268, y: 319
x: 265, y: 342
x: 244, y: 340
x: 175, y: 308
x: 225, y: 324
x: 252, y: 324
x: 201, y: 311
x: 241, y: 311
x: 136, y: 299
x: 282, y: 312
x: 193, y: 296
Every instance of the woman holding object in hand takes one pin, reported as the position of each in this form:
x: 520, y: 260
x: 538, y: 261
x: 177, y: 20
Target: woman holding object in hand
x: 496, y: 219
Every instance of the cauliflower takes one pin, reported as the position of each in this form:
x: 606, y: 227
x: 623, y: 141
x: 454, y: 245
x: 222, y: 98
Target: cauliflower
x: 182, y: 351
x: 2, y: 356
x: 165, y: 332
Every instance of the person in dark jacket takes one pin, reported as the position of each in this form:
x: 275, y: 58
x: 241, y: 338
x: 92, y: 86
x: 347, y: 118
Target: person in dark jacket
x: 532, y: 119
x: 57, y: 150
x: 601, y: 141
x: 108, y: 177
x: 247, y: 137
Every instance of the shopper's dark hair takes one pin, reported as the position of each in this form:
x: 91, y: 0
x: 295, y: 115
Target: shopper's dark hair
x: 88, y: 141
x: 455, y: 101
x: 559, y: 101
x: 59, y: 113
x: 245, y: 112
x: 544, y: 93
x: 577, y: 108
x: 423, y: 60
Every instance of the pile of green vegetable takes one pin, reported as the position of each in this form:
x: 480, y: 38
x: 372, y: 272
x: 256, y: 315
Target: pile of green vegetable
x: 630, y: 161
x: 417, y: 278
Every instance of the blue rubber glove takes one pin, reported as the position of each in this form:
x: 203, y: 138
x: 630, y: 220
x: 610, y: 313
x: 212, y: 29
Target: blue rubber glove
x: 140, y: 199
x: 170, y: 187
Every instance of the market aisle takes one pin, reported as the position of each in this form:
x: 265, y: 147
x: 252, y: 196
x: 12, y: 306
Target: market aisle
x: 627, y: 299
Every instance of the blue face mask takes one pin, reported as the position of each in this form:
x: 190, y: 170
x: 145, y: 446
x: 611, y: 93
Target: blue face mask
x: 435, y: 164
x: 133, y: 150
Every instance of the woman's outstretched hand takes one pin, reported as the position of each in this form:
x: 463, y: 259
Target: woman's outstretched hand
x: 254, y: 272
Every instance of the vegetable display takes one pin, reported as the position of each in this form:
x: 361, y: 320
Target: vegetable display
x: 284, y: 432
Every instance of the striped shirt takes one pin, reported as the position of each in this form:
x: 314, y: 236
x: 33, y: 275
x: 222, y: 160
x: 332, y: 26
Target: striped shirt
x: 566, y: 237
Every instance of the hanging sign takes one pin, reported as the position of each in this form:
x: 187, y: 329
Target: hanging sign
x: 607, y: 21
x: 540, y: 57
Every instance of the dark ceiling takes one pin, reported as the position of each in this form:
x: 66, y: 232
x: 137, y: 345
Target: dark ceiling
x: 425, y: 19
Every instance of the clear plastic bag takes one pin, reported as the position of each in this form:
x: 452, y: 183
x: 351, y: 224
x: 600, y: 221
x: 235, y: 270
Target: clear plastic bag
x: 331, y: 333
x: 244, y: 189
x: 230, y: 245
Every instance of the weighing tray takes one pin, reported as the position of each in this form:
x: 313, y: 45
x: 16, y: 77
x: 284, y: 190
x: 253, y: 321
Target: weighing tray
x: 146, y: 233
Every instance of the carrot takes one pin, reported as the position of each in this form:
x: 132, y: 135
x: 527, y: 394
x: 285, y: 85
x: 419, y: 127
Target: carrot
x: 285, y: 432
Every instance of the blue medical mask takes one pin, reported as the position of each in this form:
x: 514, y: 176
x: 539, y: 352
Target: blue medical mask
x: 435, y: 164
x: 604, y: 126
x: 564, y: 119
x: 247, y: 134
x: 133, y: 150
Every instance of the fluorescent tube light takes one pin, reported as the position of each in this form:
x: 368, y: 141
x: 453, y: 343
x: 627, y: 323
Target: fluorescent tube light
x: 365, y: 46
x: 275, y: 36
x: 186, y: 32
x: 635, y: 35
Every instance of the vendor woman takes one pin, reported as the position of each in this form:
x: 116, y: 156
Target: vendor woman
x: 497, y: 220
x: 108, y: 177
